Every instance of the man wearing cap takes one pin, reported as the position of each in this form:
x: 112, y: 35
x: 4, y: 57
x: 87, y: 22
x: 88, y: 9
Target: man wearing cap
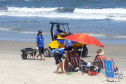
x: 58, y: 32
x: 40, y: 44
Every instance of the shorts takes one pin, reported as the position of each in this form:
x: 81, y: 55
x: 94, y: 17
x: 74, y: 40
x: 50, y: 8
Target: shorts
x: 41, y: 50
x: 57, y: 58
x: 68, y: 48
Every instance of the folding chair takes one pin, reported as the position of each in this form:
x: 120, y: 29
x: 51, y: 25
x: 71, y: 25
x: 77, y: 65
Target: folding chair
x: 109, y: 70
x: 99, y: 63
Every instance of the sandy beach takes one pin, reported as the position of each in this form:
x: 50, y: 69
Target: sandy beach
x: 15, y: 70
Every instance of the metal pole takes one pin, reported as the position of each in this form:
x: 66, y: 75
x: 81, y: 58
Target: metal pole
x: 68, y: 28
x: 82, y: 49
x: 52, y: 32
x: 81, y: 56
x: 64, y: 28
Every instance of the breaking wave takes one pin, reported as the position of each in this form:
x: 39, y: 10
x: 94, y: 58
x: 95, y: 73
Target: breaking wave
x: 117, y: 14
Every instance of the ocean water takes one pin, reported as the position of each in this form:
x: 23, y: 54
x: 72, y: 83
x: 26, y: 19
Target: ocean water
x: 21, y: 19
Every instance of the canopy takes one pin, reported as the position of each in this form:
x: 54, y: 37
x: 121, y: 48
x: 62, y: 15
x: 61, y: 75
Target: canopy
x: 84, y: 39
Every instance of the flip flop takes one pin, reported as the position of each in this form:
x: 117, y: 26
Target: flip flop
x: 69, y: 73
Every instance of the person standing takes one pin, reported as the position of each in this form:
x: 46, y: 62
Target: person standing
x: 40, y: 44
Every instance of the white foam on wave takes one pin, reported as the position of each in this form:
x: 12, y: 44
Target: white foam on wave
x: 117, y: 14
x: 30, y: 32
x: 97, y: 35
x: 26, y: 32
x: 104, y: 35
x: 4, y: 29
x: 102, y: 11
x: 92, y: 34
x: 74, y: 16
x: 57, y: 15
x: 119, y: 18
x: 121, y: 36
x: 25, y: 9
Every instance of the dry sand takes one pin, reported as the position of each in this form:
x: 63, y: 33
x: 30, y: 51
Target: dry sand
x: 14, y: 70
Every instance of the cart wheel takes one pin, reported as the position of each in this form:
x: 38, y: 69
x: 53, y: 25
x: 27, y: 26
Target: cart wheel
x: 84, y: 52
x: 24, y: 56
x: 47, y: 52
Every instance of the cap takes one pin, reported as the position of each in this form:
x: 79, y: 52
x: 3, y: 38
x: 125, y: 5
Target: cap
x: 39, y: 31
x: 57, y: 25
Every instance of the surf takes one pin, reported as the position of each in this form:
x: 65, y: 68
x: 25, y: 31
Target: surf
x: 116, y: 14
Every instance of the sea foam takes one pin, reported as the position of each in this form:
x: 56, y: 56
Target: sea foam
x: 117, y: 14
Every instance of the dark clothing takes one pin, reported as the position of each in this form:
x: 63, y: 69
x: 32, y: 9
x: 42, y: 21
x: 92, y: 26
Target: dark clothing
x: 57, y: 58
x: 68, y: 48
x: 41, y: 50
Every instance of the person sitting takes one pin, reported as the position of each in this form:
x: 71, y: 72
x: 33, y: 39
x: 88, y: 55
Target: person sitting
x: 74, y: 61
x: 57, y: 56
x: 100, y: 55
x: 58, y: 32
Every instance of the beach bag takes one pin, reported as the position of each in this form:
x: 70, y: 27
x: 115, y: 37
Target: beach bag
x: 91, y: 73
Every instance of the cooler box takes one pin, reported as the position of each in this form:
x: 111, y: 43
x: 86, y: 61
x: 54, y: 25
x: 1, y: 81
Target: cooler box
x: 73, y: 42
x: 61, y: 41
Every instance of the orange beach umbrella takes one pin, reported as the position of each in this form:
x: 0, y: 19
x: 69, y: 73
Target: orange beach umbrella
x: 84, y: 39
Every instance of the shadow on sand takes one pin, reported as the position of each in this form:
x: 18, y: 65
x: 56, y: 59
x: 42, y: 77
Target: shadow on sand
x: 87, y: 56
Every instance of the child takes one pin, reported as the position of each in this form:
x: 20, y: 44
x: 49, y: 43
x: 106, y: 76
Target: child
x: 57, y: 56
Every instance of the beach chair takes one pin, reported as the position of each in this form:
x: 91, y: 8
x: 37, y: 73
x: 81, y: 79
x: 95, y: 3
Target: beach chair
x: 99, y: 64
x: 109, y: 70
x: 75, y: 61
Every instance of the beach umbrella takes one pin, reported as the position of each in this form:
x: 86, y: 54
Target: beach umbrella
x: 84, y: 39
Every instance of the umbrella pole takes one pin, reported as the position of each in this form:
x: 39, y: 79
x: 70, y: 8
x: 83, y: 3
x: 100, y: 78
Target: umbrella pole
x: 82, y: 50
x: 81, y: 57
